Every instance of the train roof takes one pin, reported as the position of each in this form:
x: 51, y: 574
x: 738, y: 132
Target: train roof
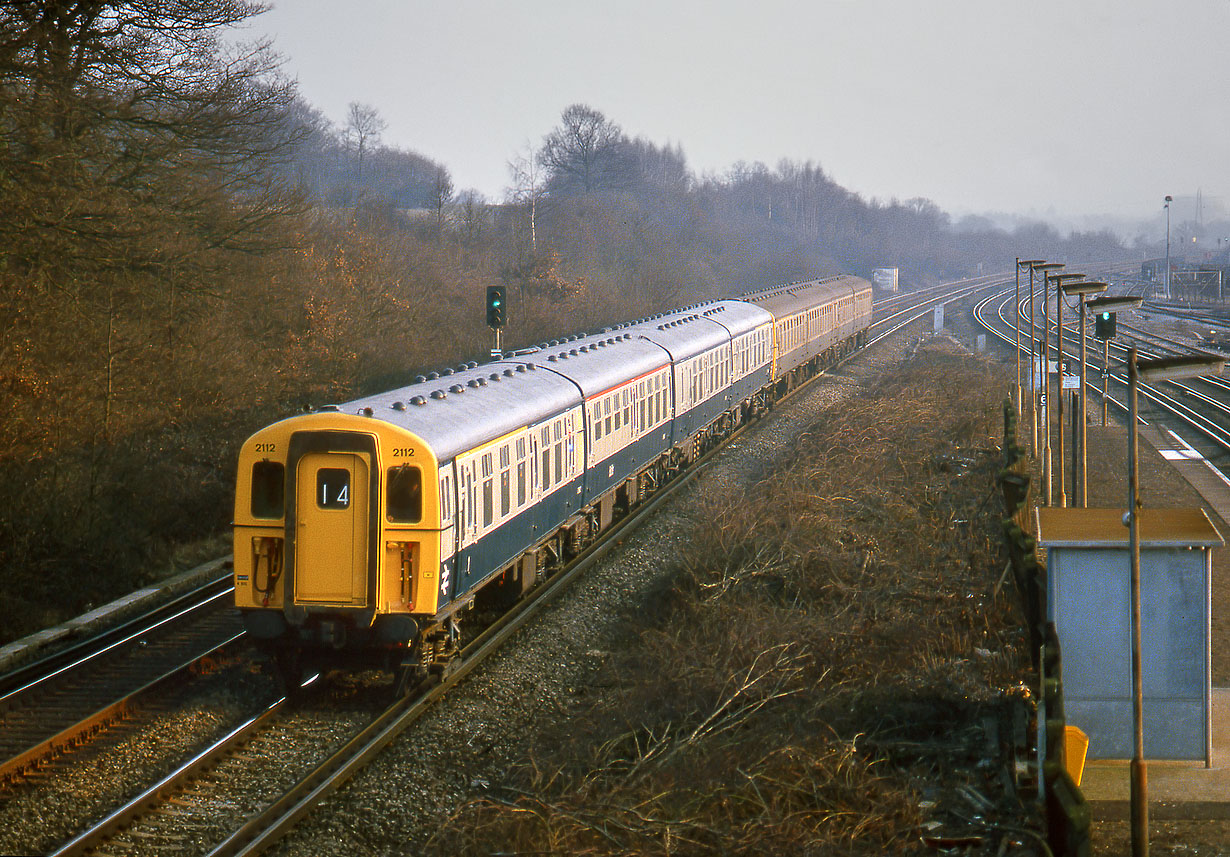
x: 690, y: 331
x: 600, y: 361
x: 468, y: 407
x: 739, y: 317
x: 474, y: 404
x: 787, y: 300
x: 459, y: 409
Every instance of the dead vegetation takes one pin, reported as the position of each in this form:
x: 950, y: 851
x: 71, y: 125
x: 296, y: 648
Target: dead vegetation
x: 829, y: 672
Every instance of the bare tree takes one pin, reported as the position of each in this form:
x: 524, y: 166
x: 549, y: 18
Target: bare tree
x: 586, y: 152
x: 126, y: 121
x: 363, y: 129
x: 526, y: 188
x: 473, y: 207
x: 441, y: 195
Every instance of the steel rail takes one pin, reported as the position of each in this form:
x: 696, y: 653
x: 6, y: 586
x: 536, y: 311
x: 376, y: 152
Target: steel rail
x: 107, y: 713
x: 64, y: 717
x: 130, y: 632
x: 172, y: 783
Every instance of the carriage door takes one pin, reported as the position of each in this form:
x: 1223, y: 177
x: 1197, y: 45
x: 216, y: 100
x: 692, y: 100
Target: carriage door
x: 331, y: 529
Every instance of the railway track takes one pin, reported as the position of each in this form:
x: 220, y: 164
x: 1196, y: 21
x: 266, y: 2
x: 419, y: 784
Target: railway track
x: 1201, y: 405
x: 182, y: 809
x: 59, y: 702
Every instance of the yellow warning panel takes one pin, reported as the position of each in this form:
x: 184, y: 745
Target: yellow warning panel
x: 1075, y: 746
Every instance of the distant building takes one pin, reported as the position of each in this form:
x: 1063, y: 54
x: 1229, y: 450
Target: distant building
x: 1203, y: 280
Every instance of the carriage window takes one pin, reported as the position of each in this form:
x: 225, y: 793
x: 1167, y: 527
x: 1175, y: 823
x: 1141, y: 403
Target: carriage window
x: 404, y: 499
x: 488, y: 501
x: 333, y: 488
x: 268, y: 481
x: 446, y: 498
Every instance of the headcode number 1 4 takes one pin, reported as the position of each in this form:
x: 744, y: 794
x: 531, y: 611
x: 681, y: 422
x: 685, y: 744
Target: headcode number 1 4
x: 333, y: 488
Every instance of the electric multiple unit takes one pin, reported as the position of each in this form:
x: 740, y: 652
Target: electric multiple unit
x: 371, y: 525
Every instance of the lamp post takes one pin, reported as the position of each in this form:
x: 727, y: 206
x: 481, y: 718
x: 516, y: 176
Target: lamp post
x: 1034, y: 346
x: 1168, y: 368
x: 1082, y: 288
x: 1017, y: 271
x: 1167, y: 207
x: 1059, y: 280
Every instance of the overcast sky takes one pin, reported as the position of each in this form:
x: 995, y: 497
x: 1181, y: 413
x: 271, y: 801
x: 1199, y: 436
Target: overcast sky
x: 1039, y: 107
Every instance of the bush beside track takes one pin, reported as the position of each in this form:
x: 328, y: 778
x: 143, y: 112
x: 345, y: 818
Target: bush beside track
x: 834, y: 666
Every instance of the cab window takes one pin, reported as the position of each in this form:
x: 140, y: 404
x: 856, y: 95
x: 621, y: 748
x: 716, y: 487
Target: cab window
x: 268, y: 479
x: 404, y: 500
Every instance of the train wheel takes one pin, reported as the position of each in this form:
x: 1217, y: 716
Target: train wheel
x: 289, y: 664
x: 407, y: 678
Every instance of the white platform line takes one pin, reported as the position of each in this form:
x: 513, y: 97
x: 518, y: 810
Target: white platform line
x: 1190, y: 454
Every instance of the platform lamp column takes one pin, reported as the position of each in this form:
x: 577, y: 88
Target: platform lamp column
x: 1019, y: 320
x: 1037, y: 378
x: 1044, y: 423
x: 1059, y: 395
x: 1059, y: 280
x: 1079, y: 419
x: 1169, y: 200
x: 1166, y: 369
x: 1016, y: 270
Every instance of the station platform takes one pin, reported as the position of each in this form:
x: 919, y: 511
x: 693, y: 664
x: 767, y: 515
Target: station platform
x: 1172, y: 475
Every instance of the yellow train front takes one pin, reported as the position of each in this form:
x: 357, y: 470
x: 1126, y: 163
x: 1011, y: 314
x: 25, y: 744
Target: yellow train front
x: 338, y: 535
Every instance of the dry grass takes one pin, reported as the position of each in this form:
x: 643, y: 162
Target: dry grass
x: 817, y: 677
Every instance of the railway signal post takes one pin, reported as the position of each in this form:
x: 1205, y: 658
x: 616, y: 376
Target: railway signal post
x: 497, y: 315
x: 1105, y: 312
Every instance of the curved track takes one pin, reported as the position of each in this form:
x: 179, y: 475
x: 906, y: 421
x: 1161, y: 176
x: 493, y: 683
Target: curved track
x: 1199, y: 408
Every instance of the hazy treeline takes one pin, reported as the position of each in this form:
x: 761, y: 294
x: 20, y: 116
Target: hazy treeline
x: 188, y: 251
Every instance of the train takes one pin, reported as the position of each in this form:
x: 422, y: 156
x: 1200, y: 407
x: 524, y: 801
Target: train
x: 366, y: 530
